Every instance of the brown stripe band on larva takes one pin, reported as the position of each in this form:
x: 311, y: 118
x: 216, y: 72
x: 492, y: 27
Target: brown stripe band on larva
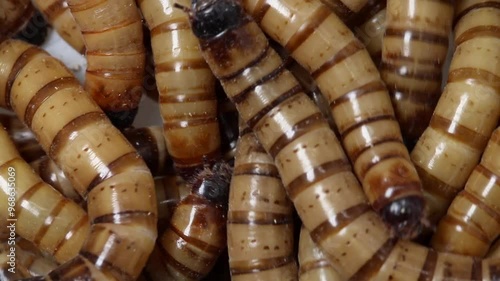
x: 169, y: 26
x: 355, y: 94
x: 104, y: 53
x: 25, y: 198
x: 429, y: 267
x: 48, y: 221
x: 122, y: 217
x: 201, y: 120
x: 376, y: 160
x: 346, y: 131
x: 116, y: 26
x: 258, y: 218
x: 119, y: 74
x: 181, y: 98
x: 259, y: 265
x: 304, y: 126
x: 94, y: 259
x: 366, y: 13
x: 458, y: 132
x: 85, y: 5
x: 317, y: 18
x: 478, y: 31
x: 488, y: 4
x: 171, y: 261
x: 176, y: 66
x: 46, y: 92
x: 340, y: 9
x: 440, y: 188
x: 309, y: 266
x: 256, y: 169
x: 20, y: 63
x: 55, y: 9
x: 63, y: 136
x: 479, y: 203
x: 488, y: 174
x: 475, y: 75
x: 115, y: 167
x: 263, y: 54
x: 372, y: 266
x: 336, y: 223
x: 349, y: 50
x: 368, y: 145
x: 319, y: 173
x: 400, y: 58
x: 261, y: 9
x: 74, y: 229
x: 413, y: 74
x: 415, y: 35
x: 77, y: 269
x: 465, y: 227
x: 207, y: 248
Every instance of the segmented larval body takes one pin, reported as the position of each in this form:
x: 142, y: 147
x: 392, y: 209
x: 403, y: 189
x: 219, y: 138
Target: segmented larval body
x: 260, y: 220
x: 14, y: 15
x: 22, y: 136
x: 344, y: 72
x: 468, y: 110
x: 100, y: 163
x: 112, y: 32
x: 188, y: 102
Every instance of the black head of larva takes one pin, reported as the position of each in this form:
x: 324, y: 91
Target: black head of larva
x: 210, y: 18
x: 213, y: 183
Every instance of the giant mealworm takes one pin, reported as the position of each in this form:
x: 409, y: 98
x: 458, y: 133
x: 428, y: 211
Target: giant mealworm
x: 23, y: 138
x: 309, y: 159
x: 44, y: 217
x: 196, y: 234
x: 102, y: 166
x: 56, y: 12
x: 31, y: 258
x: 188, y: 102
x: 361, y: 107
x: 473, y: 219
x: 468, y: 110
x: 113, y: 37
x: 260, y: 219
x: 414, y: 50
x: 14, y: 15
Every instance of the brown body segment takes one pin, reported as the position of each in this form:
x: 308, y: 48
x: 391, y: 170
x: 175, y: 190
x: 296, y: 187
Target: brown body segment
x: 23, y: 138
x: 100, y: 163
x: 188, y: 103
x: 112, y: 32
x: 314, y: 264
x: 415, y: 46
x: 57, y: 13
x: 29, y: 257
x: 42, y: 216
x: 468, y: 110
x: 473, y: 219
x: 196, y: 234
x: 14, y: 15
x: 260, y: 220
x: 360, y: 103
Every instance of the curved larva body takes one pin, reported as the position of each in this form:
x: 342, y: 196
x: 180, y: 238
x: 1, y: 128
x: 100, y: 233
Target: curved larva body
x: 112, y: 32
x: 414, y: 50
x: 260, y: 220
x: 473, y: 219
x: 101, y: 164
x: 57, y: 13
x: 170, y: 190
x: 23, y: 137
x: 53, y: 223
x: 360, y: 103
x: 30, y: 257
x: 468, y: 110
x: 14, y: 15
x: 188, y: 103
x: 314, y: 265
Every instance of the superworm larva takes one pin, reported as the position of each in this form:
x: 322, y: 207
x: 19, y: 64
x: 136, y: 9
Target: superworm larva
x: 473, y: 219
x: 57, y: 13
x: 31, y: 258
x: 170, y: 190
x: 314, y: 265
x: 260, y: 220
x: 361, y: 107
x: 414, y: 50
x: 468, y: 110
x: 196, y: 234
x: 113, y: 37
x: 310, y: 161
x: 14, y: 15
x: 44, y: 217
x: 188, y: 102
x: 23, y: 138
x: 101, y: 164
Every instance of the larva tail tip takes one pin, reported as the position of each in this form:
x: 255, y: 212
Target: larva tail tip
x: 404, y: 216
x: 122, y: 119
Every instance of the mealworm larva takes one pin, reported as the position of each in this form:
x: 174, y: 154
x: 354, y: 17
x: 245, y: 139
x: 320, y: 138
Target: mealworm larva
x: 100, y: 163
x: 57, y: 13
x: 29, y: 256
x: 415, y: 46
x: 468, y: 110
x: 196, y: 234
x: 314, y: 265
x: 188, y: 102
x: 170, y: 190
x: 23, y: 138
x: 260, y: 220
x: 473, y: 219
x: 14, y: 15
x: 113, y: 37
x: 360, y: 103
x: 44, y: 217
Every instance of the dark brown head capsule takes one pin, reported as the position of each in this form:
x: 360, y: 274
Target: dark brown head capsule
x: 211, y: 18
